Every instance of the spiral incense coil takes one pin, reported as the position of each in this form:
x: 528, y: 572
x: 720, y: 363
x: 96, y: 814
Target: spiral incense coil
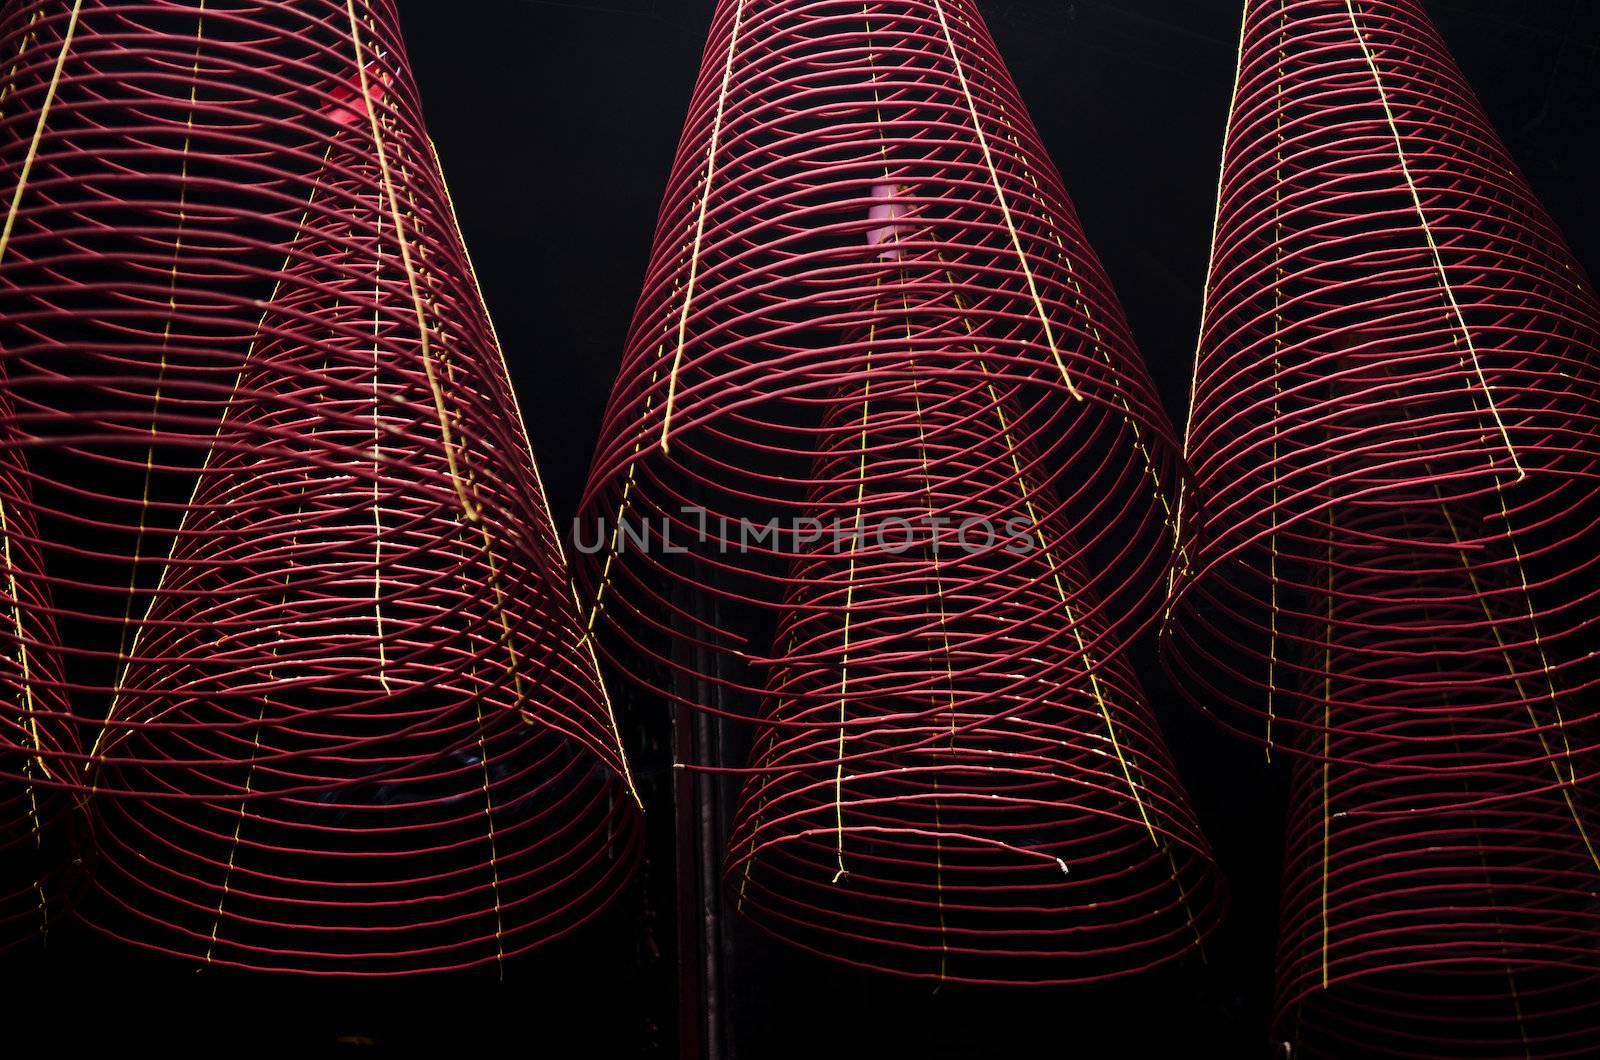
x: 317, y: 645
x: 1415, y: 927
x: 1389, y: 314
x: 1386, y: 553
x: 948, y: 786
x: 1440, y: 889
x: 850, y: 172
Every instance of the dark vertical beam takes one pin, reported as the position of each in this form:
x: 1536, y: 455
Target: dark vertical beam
x: 703, y: 1031
x: 692, y: 978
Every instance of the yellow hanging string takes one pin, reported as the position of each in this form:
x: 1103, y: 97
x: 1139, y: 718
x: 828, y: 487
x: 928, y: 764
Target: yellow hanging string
x: 700, y: 224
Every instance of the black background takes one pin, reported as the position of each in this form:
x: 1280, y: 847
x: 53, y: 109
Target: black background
x: 556, y: 123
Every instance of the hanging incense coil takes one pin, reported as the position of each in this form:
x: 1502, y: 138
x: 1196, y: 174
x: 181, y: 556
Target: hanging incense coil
x: 843, y: 169
x: 1389, y: 313
x: 327, y: 680
x: 1387, y: 550
x: 1442, y: 868
x: 948, y: 786
x: 882, y: 471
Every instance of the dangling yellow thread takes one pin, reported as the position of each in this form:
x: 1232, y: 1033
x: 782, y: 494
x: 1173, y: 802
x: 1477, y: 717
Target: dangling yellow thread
x: 377, y: 461
x: 1205, y: 308
x: 1277, y: 384
x: 38, y: 129
x: 1427, y: 232
x: 469, y: 508
x: 700, y: 224
x: 1005, y: 209
x: 494, y: 847
x: 37, y: 824
x: 849, y: 603
x: 22, y: 642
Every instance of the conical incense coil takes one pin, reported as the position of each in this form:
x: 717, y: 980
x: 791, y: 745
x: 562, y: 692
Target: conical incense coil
x: 1441, y: 875
x: 334, y: 703
x: 950, y: 785
x: 844, y: 169
x: 1388, y: 311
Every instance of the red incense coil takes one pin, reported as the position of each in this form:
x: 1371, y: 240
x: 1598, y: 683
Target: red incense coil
x: 870, y: 313
x: 324, y: 665
x: 949, y: 786
x: 1389, y: 314
x: 844, y: 166
x: 1387, y: 553
x: 1440, y: 884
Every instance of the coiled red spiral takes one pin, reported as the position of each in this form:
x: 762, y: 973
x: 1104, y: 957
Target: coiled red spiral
x: 1387, y: 555
x: 1440, y: 887
x: 883, y: 470
x: 318, y: 651
x: 840, y: 163
x: 1388, y: 311
x: 948, y: 785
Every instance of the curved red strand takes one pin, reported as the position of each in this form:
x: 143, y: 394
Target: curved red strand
x: 1439, y: 883
x: 1388, y: 556
x: 1388, y: 311
x: 320, y: 665
x: 883, y: 471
